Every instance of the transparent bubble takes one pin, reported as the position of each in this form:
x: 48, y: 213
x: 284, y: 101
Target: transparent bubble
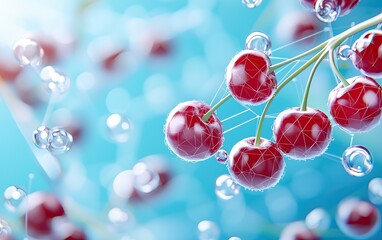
x: 221, y: 156
x: 208, y: 230
x: 61, y: 141
x: 327, y: 10
x: 28, y: 52
x: 234, y: 238
x: 357, y: 161
x: 251, y: 3
x: 344, y: 52
x: 42, y: 137
x: 13, y: 197
x: 318, y: 219
x: 55, y: 81
x: 375, y: 191
x: 260, y: 42
x: 226, y: 188
x: 118, y: 216
x: 146, y: 180
x: 5, y: 229
x: 118, y: 127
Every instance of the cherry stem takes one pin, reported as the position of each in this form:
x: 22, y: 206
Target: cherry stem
x: 334, y: 67
x: 213, y: 109
x: 304, y: 104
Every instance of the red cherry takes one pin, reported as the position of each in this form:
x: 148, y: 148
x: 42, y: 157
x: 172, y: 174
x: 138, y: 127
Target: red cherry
x: 188, y: 136
x: 248, y: 78
x: 357, y: 107
x: 63, y: 229
x: 40, y: 209
x: 357, y: 218
x: 302, y: 134
x: 298, y: 231
x: 256, y: 167
x: 367, y: 55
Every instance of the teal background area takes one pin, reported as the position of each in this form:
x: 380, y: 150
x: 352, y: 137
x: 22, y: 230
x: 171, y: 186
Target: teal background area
x: 204, y: 36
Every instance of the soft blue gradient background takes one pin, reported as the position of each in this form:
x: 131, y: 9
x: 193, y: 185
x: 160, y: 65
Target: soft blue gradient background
x: 205, y: 36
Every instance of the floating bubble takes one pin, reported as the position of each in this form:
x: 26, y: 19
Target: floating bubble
x: 251, y: 3
x: 146, y: 180
x: 226, y: 188
x: 118, y: 216
x: 344, y: 52
x: 357, y: 161
x: 318, y: 219
x: 123, y: 184
x: 234, y: 238
x: 327, y: 10
x: 13, y: 197
x: 61, y: 141
x: 118, y: 127
x: 55, y: 81
x: 260, y: 42
x: 375, y: 191
x: 221, y: 156
x: 42, y: 137
x: 5, y: 229
x: 208, y: 230
x: 28, y: 52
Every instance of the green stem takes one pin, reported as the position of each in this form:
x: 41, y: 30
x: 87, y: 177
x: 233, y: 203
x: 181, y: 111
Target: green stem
x: 213, y: 109
x: 304, y: 104
x: 333, y: 66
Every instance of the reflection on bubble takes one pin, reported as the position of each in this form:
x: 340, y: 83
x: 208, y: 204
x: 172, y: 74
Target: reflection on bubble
x: 226, y: 188
x: 260, y: 42
x: 327, y: 10
x: 375, y: 191
x: 146, y: 180
x: 234, y: 238
x: 61, y: 141
x: 55, y: 81
x: 123, y: 184
x: 208, y: 230
x: 344, y: 52
x: 221, y: 156
x: 357, y: 161
x: 318, y: 219
x: 28, y: 52
x: 117, y: 216
x: 5, y: 229
x: 118, y: 127
x: 251, y: 3
x: 13, y: 196
x: 42, y: 137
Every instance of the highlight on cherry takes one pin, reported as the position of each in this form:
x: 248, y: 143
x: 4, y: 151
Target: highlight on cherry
x: 194, y: 132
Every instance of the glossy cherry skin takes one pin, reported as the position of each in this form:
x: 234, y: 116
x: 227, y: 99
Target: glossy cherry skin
x: 302, y: 134
x: 345, y: 5
x: 367, y: 55
x: 357, y: 218
x: 188, y: 136
x: 298, y: 231
x: 248, y: 79
x: 256, y: 167
x: 41, y: 208
x: 357, y: 107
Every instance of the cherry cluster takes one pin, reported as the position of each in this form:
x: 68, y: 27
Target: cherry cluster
x: 194, y: 132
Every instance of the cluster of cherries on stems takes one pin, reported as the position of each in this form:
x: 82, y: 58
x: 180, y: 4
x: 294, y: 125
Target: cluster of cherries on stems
x: 194, y: 132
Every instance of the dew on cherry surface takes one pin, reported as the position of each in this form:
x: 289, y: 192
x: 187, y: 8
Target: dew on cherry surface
x: 318, y: 219
x: 118, y: 127
x: 344, y: 52
x: 375, y: 191
x: 226, y: 188
x: 208, y: 230
x: 260, y: 42
x: 145, y: 179
x: 251, y: 3
x: 327, y: 10
x: 42, y: 137
x: 55, y: 81
x: 13, y: 196
x: 5, y: 229
x: 61, y: 141
x: 357, y: 161
x: 221, y: 156
x: 28, y: 52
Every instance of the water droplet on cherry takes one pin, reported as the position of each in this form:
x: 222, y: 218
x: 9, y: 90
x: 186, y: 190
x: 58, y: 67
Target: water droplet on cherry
x: 118, y: 127
x: 28, y: 52
x: 55, y: 81
x: 259, y: 41
x: 344, y: 52
x: 375, y: 191
x: 251, y: 3
x: 42, y: 137
x: 357, y: 161
x: 61, y: 141
x: 226, y: 188
x: 318, y: 219
x: 208, y: 230
x: 327, y: 10
x: 13, y: 197
x: 221, y: 156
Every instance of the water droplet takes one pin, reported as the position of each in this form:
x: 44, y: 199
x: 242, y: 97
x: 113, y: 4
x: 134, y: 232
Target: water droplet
x: 327, y: 10
x: 357, y: 161
x: 55, y: 81
x: 28, y: 52
x: 61, y: 141
x: 251, y: 3
x: 344, y: 52
x: 318, y: 219
x: 118, y: 127
x: 5, y: 229
x: 42, y: 137
x: 375, y: 191
x: 226, y: 188
x: 260, y: 42
x: 221, y: 156
x: 13, y: 197
x: 118, y: 216
x: 145, y: 180
x: 208, y: 230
